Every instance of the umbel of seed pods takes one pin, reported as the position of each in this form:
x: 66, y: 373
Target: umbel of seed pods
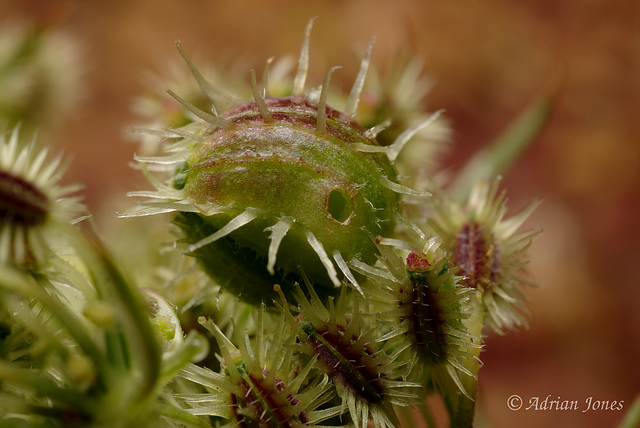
x: 275, y: 186
x: 288, y: 191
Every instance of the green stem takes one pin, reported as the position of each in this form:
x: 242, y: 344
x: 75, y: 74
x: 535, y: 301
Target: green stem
x: 426, y: 415
x: 462, y: 407
x: 141, y: 342
x: 632, y: 418
x: 406, y: 415
x: 75, y: 327
x: 30, y: 380
x: 505, y: 150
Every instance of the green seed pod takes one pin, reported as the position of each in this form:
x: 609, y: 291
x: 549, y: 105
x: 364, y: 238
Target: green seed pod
x: 369, y: 377
x: 293, y: 184
x: 262, y: 383
x: 489, y: 250
x: 279, y: 186
x: 426, y: 310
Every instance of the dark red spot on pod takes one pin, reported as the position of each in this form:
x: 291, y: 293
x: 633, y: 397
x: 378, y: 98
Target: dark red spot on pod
x: 417, y: 263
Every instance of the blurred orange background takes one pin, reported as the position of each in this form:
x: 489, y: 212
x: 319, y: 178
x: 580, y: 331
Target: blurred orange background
x: 488, y: 60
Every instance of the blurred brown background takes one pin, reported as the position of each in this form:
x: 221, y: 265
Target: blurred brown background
x: 488, y: 60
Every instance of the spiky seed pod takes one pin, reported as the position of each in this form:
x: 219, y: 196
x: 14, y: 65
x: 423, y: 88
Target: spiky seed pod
x: 489, y: 252
x: 274, y: 184
x: 368, y: 375
x: 32, y: 202
x: 260, y: 384
x: 425, y: 308
x: 285, y: 181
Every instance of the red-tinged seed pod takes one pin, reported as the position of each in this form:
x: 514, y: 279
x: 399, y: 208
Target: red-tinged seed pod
x: 275, y: 186
x: 305, y: 198
x: 261, y: 384
x: 367, y: 373
x: 21, y: 202
x: 426, y: 310
x: 32, y: 202
x: 489, y: 250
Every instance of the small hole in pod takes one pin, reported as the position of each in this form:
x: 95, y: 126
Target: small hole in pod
x: 339, y: 206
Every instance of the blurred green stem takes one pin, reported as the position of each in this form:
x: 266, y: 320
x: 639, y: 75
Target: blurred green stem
x: 505, y: 150
x: 462, y: 407
x: 140, y: 342
x: 632, y: 418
